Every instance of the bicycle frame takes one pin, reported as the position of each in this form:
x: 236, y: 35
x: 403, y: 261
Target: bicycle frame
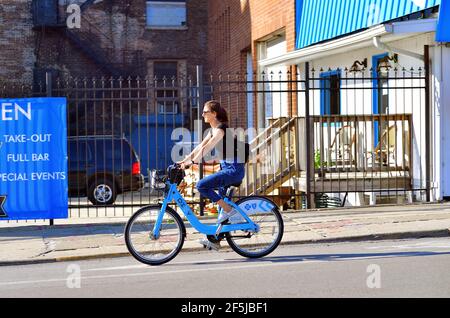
x: 174, y: 195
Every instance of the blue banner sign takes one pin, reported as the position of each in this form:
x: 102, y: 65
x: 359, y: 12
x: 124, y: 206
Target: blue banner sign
x: 33, y: 159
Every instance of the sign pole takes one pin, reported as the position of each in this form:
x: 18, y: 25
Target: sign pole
x: 49, y: 88
x: 200, y: 102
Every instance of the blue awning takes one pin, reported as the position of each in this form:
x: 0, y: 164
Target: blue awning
x: 321, y: 20
x: 443, y: 27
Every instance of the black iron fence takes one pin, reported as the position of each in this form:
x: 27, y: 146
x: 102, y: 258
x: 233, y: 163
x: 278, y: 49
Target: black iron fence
x: 319, y: 138
x: 330, y: 138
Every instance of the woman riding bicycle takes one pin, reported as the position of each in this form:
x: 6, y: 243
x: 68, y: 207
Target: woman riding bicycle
x: 232, y: 162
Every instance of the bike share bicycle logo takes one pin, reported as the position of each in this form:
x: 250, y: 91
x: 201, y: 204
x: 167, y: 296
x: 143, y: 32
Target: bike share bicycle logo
x: 181, y: 203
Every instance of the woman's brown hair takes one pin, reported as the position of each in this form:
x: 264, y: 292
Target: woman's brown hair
x: 221, y: 112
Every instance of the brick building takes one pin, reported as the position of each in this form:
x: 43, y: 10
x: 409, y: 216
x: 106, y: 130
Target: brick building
x: 116, y: 37
x: 17, y: 53
x: 242, y: 33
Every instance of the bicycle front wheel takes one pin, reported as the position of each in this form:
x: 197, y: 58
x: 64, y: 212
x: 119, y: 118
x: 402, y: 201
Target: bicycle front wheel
x: 265, y: 214
x: 141, y: 242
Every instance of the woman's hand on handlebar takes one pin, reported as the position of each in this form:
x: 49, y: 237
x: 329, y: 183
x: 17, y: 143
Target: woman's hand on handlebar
x: 185, y: 164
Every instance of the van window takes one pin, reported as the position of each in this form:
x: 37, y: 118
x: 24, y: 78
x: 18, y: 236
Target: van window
x: 120, y: 151
x: 79, y: 151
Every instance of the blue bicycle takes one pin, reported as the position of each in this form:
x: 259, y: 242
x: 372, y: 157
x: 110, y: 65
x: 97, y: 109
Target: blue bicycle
x: 155, y: 234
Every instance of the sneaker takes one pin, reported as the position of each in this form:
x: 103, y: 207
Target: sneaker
x: 210, y: 245
x: 224, y: 216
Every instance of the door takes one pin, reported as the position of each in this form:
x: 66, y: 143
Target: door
x: 380, y: 95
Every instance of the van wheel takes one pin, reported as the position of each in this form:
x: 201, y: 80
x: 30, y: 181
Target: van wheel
x: 102, y: 192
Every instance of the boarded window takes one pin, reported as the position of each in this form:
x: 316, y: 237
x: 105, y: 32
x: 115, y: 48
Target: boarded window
x: 167, y: 96
x: 166, y: 14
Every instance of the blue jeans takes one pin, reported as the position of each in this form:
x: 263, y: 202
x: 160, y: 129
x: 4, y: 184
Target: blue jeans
x: 230, y: 173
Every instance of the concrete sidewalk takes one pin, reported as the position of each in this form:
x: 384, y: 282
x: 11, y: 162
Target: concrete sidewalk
x: 82, y: 239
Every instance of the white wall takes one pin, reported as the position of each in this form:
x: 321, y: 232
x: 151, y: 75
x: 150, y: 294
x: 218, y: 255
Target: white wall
x: 445, y: 132
x: 440, y: 79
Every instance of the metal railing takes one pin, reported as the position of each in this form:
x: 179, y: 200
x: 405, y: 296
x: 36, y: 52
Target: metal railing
x: 303, y: 156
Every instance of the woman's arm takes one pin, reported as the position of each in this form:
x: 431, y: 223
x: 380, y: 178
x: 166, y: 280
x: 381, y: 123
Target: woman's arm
x: 217, y: 136
x: 194, y: 152
x: 208, y: 167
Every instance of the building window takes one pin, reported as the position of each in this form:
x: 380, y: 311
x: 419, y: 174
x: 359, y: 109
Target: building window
x: 274, y: 80
x: 330, y: 86
x: 167, y: 96
x: 166, y: 14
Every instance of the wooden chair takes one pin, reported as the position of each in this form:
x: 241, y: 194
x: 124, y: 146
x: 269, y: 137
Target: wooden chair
x: 384, y: 153
x: 342, y: 149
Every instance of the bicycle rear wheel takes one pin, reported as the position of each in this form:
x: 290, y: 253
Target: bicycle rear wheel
x: 141, y: 242
x: 265, y: 214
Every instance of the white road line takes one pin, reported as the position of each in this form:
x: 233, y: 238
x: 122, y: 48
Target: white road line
x: 148, y: 266
x: 197, y: 270
x: 223, y: 268
x: 116, y: 268
x: 419, y: 245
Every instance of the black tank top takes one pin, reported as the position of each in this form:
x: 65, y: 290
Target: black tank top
x: 228, y: 148
x: 221, y: 147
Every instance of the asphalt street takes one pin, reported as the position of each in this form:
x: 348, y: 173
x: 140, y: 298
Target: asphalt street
x: 396, y: 268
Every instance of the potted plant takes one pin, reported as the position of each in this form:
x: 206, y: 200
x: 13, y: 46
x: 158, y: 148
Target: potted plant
x: 318, y: 163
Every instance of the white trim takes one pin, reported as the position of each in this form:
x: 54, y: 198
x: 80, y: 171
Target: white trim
x: 361, y: 39
x: 379, y: 45
x: 413, y: 26
x: 390, y: 32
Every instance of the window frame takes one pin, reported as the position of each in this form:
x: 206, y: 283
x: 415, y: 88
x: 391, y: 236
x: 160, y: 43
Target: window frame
x: 161, y: 102
x: 324, y: 76
x: 377, y: 89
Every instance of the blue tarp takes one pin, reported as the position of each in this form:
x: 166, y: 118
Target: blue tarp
x: 153, y: 141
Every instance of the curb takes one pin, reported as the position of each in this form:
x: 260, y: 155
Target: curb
x: 370, y: 237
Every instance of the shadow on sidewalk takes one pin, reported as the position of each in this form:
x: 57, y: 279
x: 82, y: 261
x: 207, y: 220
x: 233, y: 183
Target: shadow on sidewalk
x: 351, y: 256
x: 46, y: 231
